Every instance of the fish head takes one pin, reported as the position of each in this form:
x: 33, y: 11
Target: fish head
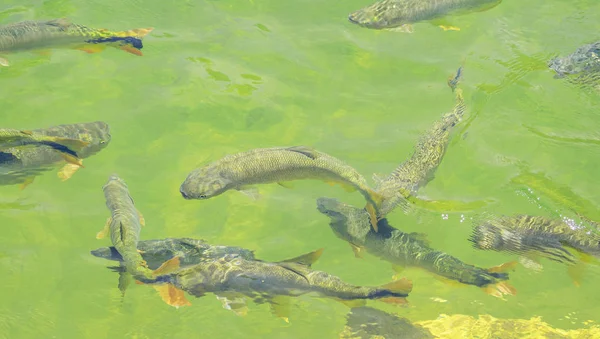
x: 348, y: 222
x: 380, y: 15
x: 97, y: 134
x: 203, y: 183
x: 487, y: 237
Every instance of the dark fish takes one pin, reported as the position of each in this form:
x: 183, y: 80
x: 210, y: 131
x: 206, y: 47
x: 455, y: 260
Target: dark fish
x: 370, y: 323
x: 30, y: 35
x: 402, y: 249
x: 401, y: 14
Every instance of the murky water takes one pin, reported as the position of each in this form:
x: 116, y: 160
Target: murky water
x: 221, y: 77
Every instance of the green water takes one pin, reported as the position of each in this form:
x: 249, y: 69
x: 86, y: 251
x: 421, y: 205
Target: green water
x: 221, y: 77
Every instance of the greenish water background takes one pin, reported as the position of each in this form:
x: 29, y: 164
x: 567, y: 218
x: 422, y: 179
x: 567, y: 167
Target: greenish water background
x: 222, y: 77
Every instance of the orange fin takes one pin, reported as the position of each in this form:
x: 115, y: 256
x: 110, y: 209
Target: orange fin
x: 105, y: 231
x: 91, y: 48
x: 500, y: 289
x: 132, y: 50
x: 372, y: 216
x: 509, y: 266
x: 168, y: 266
x: 138, y: 32
x: 172, y: 295
x: 72, y: 160
x: 399, y: 286
x: 394, y: 300
x: 67, y: 171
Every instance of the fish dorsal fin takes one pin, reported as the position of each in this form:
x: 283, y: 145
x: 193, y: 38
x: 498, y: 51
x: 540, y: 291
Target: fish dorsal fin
x: 304, y: 150
x: 306, y: 259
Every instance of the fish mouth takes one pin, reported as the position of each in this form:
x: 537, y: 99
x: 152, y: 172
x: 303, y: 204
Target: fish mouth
x: 330, y: 207
x: 184, y: 194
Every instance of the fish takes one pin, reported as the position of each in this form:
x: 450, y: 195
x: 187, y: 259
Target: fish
x: 584, y: 60
x: 560, y: 240
x: 399, y: 15
x: 190, y: 251
x: 124, y: 226
x: 275, y: 165
x: 20, y: 165
x: 402, y: 249
x: 234, y: 279
x: 370, y: 323
x: 414, y: 173
x: 39, y: 35
x: 66, y: 147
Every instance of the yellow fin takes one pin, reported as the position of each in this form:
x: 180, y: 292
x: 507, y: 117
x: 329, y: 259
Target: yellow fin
x: 576, y: 272
x: 4, y: 62
x: 500, y: 289
x: 280, y: 307
x: 72, y: 160
x: 91, y: 48
x: 28, y: 132
x: 357, y: 250
x: 73, y: 144
x: 307, y: 259
x: 286, y: 184
x: 67, y: 171
x: 449, y: 28
x: 105, y: 231
x: 141, y: 218
x: 168, y: 266
x: 372, y: 216
x: 28, y: 181
x: 347, y: 187
x: 137, y: 32
x: 172, y: 295
x: 503, y: 268
x: 399, y: 286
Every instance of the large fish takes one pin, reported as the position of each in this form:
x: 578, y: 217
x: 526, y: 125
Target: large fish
x: 418, y: 170
x: 66, y: 147
x: 124, y: 226
x: 582, y: 67
x: 401, y: 249
x: 20, y: 165
x: 31, y: 35
x: 190, y: 251
x: 234, y: 278
x: 275, y: 165
x: 561, y: 240
x: 401, y: 14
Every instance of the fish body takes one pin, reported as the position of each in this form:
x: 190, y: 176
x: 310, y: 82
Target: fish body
x: 581, y: 68
x: 125, y: 225
x: 18, y: 164
x: 190, y: 251
x: 10, y: 138
x: 396, y: 13
x: 274, y: 165
x: 30, y: 35
x: 352, y: 225
x: 267, y: 280
x: 524, y: 234
x: 428, y: 153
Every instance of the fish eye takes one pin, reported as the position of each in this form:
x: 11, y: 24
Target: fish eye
x: 202, y: 196
x: 102, y: 142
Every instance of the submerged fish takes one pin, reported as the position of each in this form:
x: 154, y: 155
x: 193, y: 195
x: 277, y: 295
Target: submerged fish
x: 232, y: 278
x: 401, y: 249
x: 30, y: 35
x: 400, y: 14
x: 532, y: 236
x: 124, y: 227
x: 190, y: 251
x: 585, y: 60
x: 275, y: 165
x: 418, y: 170
x: 20, y: 165
x: 371, y: 323
x: 68, y: 148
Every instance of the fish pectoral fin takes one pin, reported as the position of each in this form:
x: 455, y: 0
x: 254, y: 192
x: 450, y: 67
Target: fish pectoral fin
x: 168, y: 267
x: 234, y: 302
x: 141, y: 218
x: 67, y: 171
x: 372, y: 216
x: 286, y: 184
x: 357, y: 250
x: 251, y: 192
x: 509, y: 266
x: 306, y: 259
x: 445, y: 25
x: 171, y: 295
x: 281, y: 307
x: 304, y: 150
x: 499, y: 290
x: 406, y: 28
x: 72, y: 159
x: 4, y: 62
x: 28, y: 181
x: 91, y: 48
x: 105, y: 230
x: 401, y: 286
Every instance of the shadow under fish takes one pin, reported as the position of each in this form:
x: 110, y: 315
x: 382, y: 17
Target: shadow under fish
x: 370, y: 323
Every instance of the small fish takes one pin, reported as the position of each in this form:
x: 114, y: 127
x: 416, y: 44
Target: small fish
x: 234, y: 278
x: 531, y: 236
x: 190, y: 251
x: 68, y: 148
x: 399, y: 15
x: 370, y: 323
x: 20, y: 165
x: 404, y: 182
x: 124, y: 227
x: 275, y: 165
x: 32, y: 35
x: 402, y: 249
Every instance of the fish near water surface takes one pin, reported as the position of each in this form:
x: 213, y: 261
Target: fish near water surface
x: 582, y: 67
x: 280, y: 165
x: 399, y: 15
x: 68, y: 148
x: 560, y: 240
x: 20, y: 165
x: 233, y: 279
x: 414, y: 173
x: 60, y: 33
x: 402, y: 249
